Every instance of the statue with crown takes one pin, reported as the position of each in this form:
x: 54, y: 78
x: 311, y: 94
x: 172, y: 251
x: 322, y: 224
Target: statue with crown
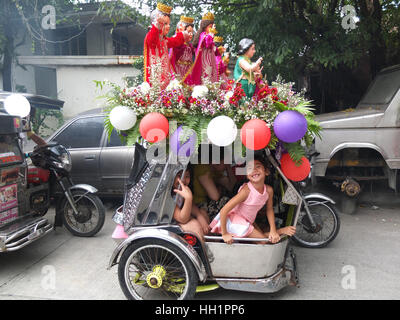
x: 182, y: 56
x: 157, y: 44
x: 204, y: 67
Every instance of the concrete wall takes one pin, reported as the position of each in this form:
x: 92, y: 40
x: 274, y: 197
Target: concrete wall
x: 76, y: 87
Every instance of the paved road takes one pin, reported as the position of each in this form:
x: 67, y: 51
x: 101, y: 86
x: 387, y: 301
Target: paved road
x: 364, y: 258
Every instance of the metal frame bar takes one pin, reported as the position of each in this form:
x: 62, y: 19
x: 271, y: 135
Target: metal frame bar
x: 287, y: 181
x: 244, y: 239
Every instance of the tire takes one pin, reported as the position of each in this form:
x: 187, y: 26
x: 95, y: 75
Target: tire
x: 90, y: 209
x: 321, y: 211
x: 147, y: 254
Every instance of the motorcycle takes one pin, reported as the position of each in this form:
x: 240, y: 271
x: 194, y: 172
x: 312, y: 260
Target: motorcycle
x: 78, y: 208
x: 318, y: 223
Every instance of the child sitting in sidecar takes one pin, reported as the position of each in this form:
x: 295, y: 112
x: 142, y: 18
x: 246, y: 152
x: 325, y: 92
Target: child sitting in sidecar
x: 186, y: 213
x: 236, y: 218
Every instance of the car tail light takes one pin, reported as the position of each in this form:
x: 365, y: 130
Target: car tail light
x: 190, y: 239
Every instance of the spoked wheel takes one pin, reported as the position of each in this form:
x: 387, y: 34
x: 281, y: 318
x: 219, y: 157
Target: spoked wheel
x: 90, y: 217
x: 153, y: 269
x: 327, y: 225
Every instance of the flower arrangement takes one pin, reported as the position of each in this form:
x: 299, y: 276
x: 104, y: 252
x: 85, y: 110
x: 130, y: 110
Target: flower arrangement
x: 196, y: 107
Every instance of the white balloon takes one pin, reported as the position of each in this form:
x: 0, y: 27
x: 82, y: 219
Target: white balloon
x: 222, y: 131
x: 17, y: 105
x: 122, y: 118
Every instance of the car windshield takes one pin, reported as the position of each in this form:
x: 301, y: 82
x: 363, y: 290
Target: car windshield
x: 382, y: 90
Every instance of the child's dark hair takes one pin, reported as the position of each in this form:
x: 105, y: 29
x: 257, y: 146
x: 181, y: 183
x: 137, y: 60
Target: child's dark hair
x: 262, y: 159
x: 189, y: 169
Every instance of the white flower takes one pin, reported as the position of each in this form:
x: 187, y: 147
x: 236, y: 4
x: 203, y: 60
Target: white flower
x: 199, y: 92
x: 228, y: 95
x: 144, y: 88
x: 174, y: 84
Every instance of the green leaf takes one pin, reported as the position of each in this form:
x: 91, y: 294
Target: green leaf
x: 296, y: 152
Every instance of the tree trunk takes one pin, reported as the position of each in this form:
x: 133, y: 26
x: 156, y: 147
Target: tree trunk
x: 8, y: 49
x: 7, y: 69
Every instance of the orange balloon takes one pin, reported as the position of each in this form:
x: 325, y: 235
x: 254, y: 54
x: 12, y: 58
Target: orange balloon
x: 293, y: 172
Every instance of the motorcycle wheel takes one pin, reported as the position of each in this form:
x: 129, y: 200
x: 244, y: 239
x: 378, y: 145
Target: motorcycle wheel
x: 90, y: 218
x: 152, y: 269
x: 327, y: 227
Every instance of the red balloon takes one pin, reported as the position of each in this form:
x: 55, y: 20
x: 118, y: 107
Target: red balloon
x: 255, y: 134
x: 291, y: 171
x: 154, y: 127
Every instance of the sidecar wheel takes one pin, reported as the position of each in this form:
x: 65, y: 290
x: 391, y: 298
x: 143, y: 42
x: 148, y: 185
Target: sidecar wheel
x: 153, y: 269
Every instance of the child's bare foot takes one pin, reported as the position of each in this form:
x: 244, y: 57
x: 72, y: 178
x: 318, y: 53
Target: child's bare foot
x: 290, y: 231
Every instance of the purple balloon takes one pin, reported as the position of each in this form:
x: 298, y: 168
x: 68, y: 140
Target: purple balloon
x: 182, y: 149
x: 290, y: 126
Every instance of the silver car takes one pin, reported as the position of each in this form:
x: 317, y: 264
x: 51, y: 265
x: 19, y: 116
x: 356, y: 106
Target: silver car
x: 363, y: 144
x: 102, y: 163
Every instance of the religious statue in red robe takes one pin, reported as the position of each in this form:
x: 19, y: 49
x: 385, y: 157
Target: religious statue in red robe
x: 156, y: 46
x: 204, y: 67
x: 182, y: 56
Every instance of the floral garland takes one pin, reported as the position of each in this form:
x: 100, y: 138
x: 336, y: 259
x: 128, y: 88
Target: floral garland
x: 196, y: 107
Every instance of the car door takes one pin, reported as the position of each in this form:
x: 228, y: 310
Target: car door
x: 115, y: 164
x: 82, y: 138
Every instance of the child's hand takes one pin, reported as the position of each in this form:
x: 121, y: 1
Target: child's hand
x: 274, y: 236
x: 185, y: 191
x: 227, y: 238
x: 290, y: 231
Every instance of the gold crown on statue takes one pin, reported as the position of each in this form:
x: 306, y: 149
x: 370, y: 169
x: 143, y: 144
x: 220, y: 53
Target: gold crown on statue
x: 208, y: 16
x: 213, y: 31
x: 218, y: 39
x: 187, y: 20
x: 164, y: 8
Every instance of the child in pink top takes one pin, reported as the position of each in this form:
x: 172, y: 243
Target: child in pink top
x: 237, y: 217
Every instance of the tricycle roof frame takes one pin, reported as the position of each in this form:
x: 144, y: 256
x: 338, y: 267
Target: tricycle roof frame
x: 36, y: 101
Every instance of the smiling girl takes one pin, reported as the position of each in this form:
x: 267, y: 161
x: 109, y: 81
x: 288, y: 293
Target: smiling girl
x: 236, y: 218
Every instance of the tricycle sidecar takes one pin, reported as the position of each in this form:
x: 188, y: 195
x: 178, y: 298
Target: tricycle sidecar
x: 18, y: 226
x: 159, y: 260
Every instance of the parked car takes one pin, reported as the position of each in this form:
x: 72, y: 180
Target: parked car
x: 102, y: 163
x: 362, y: 144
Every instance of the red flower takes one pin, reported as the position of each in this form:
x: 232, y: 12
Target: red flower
x: 274, y: 91
x: 192, y: 100
x: 182, y: 98
x: 166, y: 101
